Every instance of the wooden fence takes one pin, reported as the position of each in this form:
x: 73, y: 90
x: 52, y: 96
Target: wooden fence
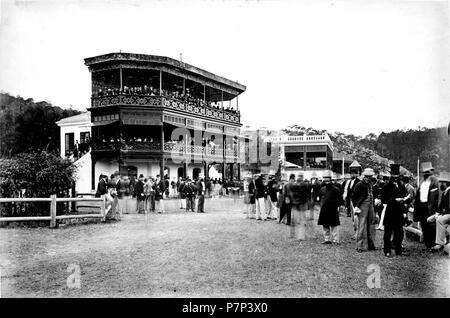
x: 53, y: 217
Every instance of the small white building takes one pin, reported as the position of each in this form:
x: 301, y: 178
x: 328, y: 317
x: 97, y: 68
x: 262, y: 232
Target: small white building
x: 75, y: 133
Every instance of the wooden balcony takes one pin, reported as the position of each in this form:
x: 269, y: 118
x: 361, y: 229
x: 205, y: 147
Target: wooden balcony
x: 169, y: 103
x: 178, y: 150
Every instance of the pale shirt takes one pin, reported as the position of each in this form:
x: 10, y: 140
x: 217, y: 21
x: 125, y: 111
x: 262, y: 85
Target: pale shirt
x: 424, y: 188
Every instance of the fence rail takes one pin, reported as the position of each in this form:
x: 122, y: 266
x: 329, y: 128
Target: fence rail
x: 53, y: 217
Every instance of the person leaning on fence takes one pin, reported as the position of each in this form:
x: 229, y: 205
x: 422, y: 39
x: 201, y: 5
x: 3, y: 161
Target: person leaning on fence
x: 365, y: 218
x: 442, y: 216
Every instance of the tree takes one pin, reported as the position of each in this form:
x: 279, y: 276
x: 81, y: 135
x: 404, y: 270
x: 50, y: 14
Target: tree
x: 28, y: 126
x: 35, y: 175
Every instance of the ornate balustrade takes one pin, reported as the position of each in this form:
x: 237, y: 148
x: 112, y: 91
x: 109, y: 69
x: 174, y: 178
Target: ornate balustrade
x: 179, y: 149
x: 167, y: 102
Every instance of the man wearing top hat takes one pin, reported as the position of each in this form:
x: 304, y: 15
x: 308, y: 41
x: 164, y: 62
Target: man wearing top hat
x: 426, y: 203
x: 442, y: 216
x: 393, y: 195
x: 365, y: 219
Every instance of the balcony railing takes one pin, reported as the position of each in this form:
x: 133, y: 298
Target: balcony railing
x: 116, y: 145
x: 166, y: 102
x: 178, y: 149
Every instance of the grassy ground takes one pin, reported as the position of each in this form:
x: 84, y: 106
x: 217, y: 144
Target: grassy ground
x: 216, y: 254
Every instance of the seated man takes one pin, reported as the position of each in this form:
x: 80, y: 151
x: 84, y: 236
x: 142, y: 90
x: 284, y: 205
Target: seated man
x: 442, y: 217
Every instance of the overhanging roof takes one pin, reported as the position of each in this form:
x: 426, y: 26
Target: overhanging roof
x: 92, y: 62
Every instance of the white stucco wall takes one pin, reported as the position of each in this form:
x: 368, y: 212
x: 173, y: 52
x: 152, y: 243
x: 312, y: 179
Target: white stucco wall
x: 76, y: 129
x: 84, y: 179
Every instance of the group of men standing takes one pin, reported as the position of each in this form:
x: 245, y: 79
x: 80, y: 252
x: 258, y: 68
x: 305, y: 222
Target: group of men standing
x: 386, y: 200
x: 189, y: 191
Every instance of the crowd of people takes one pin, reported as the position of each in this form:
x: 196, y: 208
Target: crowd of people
x: 126, y: 194
x: 150, y: 91
x: 389, y: 201
x: 384, y: 202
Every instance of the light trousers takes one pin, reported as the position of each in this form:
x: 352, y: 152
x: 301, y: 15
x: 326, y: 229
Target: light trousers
x: 365, y: 235
x: 159, y: 206
x: 261, y: 209
x: 442, y: 223
x: 331, y: 233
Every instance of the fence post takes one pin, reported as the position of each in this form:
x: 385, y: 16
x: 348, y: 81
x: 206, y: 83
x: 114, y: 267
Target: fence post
x: 103, y: 207
x: 53, y: 211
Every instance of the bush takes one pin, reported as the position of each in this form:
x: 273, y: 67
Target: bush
x: 34, y: 175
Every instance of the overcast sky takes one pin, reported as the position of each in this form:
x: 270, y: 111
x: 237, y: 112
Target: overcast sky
x: 350, y: 66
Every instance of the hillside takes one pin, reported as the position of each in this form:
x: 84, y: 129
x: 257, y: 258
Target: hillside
x: 404, y: 147
x: 26, y: 125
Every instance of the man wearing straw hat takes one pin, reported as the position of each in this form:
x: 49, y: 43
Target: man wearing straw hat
x: 426, y: 203
x: 330, y: 201
x: 365, y: 219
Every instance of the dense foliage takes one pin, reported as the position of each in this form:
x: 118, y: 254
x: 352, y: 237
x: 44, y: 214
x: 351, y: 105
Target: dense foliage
x: 26, y: 125
x: 34, y: 175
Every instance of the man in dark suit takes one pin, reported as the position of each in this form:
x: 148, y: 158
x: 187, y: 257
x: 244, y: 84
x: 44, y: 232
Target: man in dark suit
x: 426, y: 204
x: 287, y: 205
x: 363, y: 203
x: 393, y: 195
x: 201, y: 195
x: 189, y: 192
x: 140, y: 193
x: 102, y: 185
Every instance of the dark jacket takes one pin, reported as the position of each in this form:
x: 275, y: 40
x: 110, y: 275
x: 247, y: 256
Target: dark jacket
x: 140, y: 190
x: 330, y: 201
x: 394, y: 210
x: 432, y: 204
x: 189, y: 191
x: 101, y: 188
x: 360, y: 193
x: 299, y: 193
x: 200, y: 189
x: 259, y: 188
x: 251, y: 192
x: 272, y: 189
x: 159, y: 190
x: 444, y: 205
